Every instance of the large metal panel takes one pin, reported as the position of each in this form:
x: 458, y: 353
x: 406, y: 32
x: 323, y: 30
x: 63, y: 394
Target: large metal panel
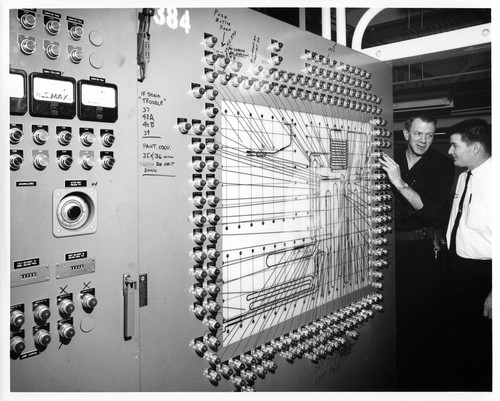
x: 74, y: 231
x: 301, y: 205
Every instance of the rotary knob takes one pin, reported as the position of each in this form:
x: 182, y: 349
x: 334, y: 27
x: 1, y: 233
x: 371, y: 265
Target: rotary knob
x: 40, y: 136
x: 213, y: 289
x: 199, y: 201
x: 213, y: 200
x: 88, y: 162
x: 197, y: 291
x: 199, y: 238
x: 199, y: 183
x: 65, y: 161
x: 211, y: 94
x: 87, y: 138
x: 66, y: 307
x: 42, y: 313
x: 198, y: 128
x: 42, y: 338
x: 76, y: 32
x: 41, y: 161
x: 212, y: 111
x: 108, y: 162
x: 184, y: 127
x: 198, y: 147
x: 108, y: 139
x: 89, y: 301
x: 199, y: 165
x: 17, y: 344
x: 212, y: 129
x: 212, y: 306
x: 199, y: 256
x: 16, y: 135
x: 213, y: 236
x: 16, y: 161
x: 213, y: 272
x: 210, y: 41
x: 64, y: 137
x: 213, y: 183
x: 53, y: 27
x: 213, y: 218
x: 212, y: 165
x: 212, y: 147
x: 67, y: 331
x: 213, y: 254
x: 17, y: 318
x: 199, y: 220
x: 211, y: 76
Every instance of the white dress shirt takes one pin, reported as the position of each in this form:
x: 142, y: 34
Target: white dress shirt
x: 474, y: 231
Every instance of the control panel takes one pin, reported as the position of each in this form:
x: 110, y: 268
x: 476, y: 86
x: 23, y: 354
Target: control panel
x: 73, y: 212
x: 197, y: 204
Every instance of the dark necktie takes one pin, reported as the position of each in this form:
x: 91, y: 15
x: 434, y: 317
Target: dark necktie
x: 453, y: 237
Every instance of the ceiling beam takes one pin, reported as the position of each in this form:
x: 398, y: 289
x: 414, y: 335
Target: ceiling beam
x: 441, y: 42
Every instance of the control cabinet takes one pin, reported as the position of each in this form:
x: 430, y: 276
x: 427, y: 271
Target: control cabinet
x: 197, y: 205
x: 73, y: 199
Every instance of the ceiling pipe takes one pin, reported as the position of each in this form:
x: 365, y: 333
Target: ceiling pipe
x: 361, y: 27
x: 341, y: 26
x: 326, y: 23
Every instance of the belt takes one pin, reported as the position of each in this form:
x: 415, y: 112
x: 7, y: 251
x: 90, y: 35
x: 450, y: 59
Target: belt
x: 415, y: 235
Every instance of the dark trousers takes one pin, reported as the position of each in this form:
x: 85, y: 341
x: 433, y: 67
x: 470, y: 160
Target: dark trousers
x: 420, y: 351
x: 469, y: 332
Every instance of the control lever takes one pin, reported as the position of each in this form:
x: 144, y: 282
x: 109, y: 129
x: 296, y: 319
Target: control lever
x: 129, y: 287
x: 143, y: 37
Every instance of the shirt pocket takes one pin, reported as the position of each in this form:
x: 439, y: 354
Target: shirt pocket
x: 479, y: 214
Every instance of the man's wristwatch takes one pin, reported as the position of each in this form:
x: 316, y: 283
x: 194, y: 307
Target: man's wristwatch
x: 405, y: 185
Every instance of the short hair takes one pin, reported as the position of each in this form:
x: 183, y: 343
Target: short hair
x: 474, y: 130
x: 426, y: 118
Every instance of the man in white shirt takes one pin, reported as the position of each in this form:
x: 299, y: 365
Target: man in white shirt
x: 469, y: 240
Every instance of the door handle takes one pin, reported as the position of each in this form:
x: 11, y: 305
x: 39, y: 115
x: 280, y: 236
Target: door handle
x: 129, y: 288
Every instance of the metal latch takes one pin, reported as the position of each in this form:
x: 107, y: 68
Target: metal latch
x: 129, y: 288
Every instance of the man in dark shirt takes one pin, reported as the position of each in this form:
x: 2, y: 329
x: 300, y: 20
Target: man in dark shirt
x: 422, y: 179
